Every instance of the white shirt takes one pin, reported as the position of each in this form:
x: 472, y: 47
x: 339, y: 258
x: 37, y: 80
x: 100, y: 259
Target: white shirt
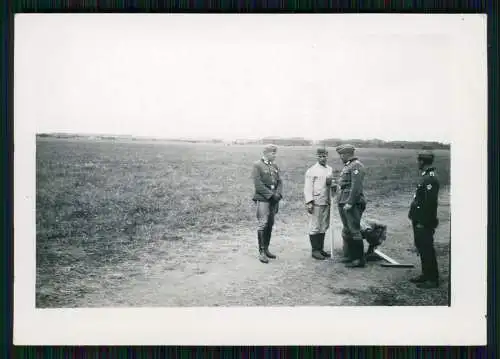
x: 315, y: 187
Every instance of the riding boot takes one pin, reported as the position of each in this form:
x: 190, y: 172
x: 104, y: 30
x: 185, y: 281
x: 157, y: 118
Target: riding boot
x: 261, y: 239
x: 358, y: 255
x: 266, y: 245
x: 346, y: 249
x: 322, y: 246
x: 316, y: 247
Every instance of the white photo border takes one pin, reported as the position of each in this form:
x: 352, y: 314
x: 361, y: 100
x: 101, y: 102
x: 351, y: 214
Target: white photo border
x: 464, y: 323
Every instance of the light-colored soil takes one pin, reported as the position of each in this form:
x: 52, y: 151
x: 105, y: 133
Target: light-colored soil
x: 223, y: 270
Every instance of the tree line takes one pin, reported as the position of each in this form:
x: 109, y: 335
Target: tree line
x: 280, y: 141
x: 371, y: 143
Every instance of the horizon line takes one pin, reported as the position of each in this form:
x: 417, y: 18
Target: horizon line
x: 232, y: 139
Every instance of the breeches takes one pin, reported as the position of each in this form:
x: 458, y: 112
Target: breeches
x: 424, y: 242
x: 319, y: 220
x: 351, y: 222
x: 265, y: 214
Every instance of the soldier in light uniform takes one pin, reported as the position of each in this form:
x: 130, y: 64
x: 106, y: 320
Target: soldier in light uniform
x: 317, y: 194
x: 351, y: 205
x: 423, y: 216
x: 268, y: 193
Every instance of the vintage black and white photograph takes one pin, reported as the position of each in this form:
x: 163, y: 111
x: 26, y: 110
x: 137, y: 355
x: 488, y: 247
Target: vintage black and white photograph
x: 263, y: 161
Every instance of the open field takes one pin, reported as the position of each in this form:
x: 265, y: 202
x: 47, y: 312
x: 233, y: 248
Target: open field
x: 123, y: 223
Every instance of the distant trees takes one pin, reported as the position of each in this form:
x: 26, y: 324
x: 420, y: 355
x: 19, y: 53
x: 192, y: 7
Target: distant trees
x: 376, y: 143
x: 291, y: 141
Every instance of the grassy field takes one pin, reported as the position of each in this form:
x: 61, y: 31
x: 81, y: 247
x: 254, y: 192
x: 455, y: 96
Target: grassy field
x: 136, y: 223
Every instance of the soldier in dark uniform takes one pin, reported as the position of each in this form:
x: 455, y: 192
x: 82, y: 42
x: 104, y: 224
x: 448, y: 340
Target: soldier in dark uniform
x: 268, y: 193
x: 351, y: 205
x: 423, y: 216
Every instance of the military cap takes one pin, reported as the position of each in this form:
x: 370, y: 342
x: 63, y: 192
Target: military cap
x: 270, y: 148
x: 345, y: 149
x: 321, y: 151
x: 426, y: 156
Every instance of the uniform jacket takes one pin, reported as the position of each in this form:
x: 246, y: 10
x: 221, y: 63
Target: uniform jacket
x: 315, y: 187
x: 266, y: 179
x: 350, y: 184
x: 423, y: 208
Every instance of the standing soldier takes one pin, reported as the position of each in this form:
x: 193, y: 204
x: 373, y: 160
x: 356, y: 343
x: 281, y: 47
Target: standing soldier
x: 351, y: 205
x: 268, y: 193
x: 317, y: 194
x: 423, y: 216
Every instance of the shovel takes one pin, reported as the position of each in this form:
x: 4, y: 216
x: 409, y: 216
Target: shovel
x: 391, y: 262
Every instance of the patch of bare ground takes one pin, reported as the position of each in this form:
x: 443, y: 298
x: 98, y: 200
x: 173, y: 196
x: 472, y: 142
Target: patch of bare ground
x: 223, y: 270
x: 143, y: 224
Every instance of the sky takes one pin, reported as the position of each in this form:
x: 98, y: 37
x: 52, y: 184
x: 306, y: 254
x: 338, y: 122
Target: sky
x: 238, y: 76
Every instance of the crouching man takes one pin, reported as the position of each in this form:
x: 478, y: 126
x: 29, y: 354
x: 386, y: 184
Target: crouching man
x: 375, y: 234
x: 317, y: 194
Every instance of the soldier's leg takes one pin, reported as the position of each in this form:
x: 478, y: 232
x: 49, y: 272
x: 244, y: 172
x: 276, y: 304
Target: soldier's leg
x: 353, y: 216
x: 429, y: 258
x: 269, y: 229
x: 346, y: 235
x: 314, y: 233
x: 418, y: 235
x: 433, y: 265
x: 262, y: 217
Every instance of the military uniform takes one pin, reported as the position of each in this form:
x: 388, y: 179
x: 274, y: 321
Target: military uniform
x: 318, y: 192
x: 350, y: 191
x: 423, y: 215
x: 268, y: 191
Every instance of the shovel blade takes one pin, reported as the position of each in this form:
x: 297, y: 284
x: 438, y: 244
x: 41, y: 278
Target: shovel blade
x: 398, y: 265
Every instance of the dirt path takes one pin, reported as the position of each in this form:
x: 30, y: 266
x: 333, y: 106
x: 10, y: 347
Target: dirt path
x: 223, y: 269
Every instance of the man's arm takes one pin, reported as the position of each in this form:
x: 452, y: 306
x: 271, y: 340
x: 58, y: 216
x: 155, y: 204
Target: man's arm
x: 279, y: 186
x: 260, y: 187
x: 308, y: 187
x: 430, y: 202
x: 357, y: 176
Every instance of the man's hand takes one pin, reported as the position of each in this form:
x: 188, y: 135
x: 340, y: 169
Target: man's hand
x: 329, y: 180
x: 419, y: 226
x: 310, y: 207
x: 347, y: 206
x: 276, y: 197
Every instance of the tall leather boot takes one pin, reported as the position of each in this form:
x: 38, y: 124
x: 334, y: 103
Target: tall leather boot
x: 347, y: 249
x: 322, y: 246
x: 359, y: 255
x: 261, y: 239
x: 430, y: 268
x: 267, y: 233
x: 316, y: 247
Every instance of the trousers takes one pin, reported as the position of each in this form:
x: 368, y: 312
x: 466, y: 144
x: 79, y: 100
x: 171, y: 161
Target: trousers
x: 351, y: 221
x: 319, y: 220
x: 424, y: 242
x: 265, y: 215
